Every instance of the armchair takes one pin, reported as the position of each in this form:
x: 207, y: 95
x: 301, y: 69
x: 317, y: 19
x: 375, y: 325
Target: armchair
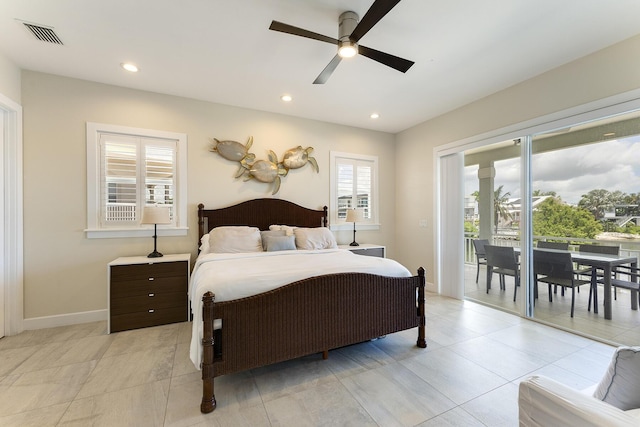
x: 545, y: 402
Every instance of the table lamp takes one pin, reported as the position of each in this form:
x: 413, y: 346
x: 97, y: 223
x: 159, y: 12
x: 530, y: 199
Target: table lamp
x: 354, y: 215
x: 155, y: 215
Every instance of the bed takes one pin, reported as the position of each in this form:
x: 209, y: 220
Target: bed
x: 326, y: 309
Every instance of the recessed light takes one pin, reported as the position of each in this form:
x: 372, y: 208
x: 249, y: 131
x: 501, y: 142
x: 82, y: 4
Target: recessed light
x: 286, y: 98
x: 129, y: 67
x: 374, y: 115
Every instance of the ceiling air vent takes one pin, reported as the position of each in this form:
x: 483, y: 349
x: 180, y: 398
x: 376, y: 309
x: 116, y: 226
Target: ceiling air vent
x: 44, y: 34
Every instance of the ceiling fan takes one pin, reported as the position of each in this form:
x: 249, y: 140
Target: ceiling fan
x: 350, y: 31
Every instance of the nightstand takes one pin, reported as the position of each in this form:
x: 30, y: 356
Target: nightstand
x: 147, y: 291
x: 366, y: 249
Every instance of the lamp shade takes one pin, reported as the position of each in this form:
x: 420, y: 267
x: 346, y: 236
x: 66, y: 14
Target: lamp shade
x: 156, y: 215
x: 354, y: 215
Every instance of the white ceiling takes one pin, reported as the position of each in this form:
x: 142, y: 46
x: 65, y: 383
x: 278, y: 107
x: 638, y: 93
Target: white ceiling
x: 222, y: 50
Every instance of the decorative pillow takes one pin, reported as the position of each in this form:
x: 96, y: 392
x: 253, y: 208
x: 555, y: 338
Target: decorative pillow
x: 620, y: 385
x: 315, y: 238
x: 235, y: 239
x: 287, y: 229
x: 267, y: 233
x: 279, y: 243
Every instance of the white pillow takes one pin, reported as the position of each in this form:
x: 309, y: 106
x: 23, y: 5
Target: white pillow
x: 315, y: 238
x: 620, y: 385
x: 287, y: 229
x: 235, y: 239
x: 204, y: 244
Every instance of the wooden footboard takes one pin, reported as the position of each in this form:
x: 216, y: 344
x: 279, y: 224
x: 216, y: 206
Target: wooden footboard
x: 310, y: 316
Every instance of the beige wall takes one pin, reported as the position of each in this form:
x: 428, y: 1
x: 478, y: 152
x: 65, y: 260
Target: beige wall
x: 64, y: 271
x: 9, y: 79
x: 606, y: 73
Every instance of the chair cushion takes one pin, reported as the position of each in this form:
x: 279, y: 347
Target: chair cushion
x: 635, y: 413
x: 620, y: 385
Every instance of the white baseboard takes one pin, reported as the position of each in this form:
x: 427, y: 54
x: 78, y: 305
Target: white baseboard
x: 65, y: 319
x: 430, y: 287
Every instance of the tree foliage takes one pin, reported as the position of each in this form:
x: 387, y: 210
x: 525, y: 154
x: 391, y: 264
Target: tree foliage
x: 500, y: 206
x: 470, y: 227
x: 598, y: 201
x: 554, y: 218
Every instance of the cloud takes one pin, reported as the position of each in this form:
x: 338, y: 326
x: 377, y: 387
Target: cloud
x: 610, y: 165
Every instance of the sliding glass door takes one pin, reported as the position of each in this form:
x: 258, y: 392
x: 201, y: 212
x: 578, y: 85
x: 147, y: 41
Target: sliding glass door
x: 493, y: 197
x: 576, y: 186
x: 586, y: 187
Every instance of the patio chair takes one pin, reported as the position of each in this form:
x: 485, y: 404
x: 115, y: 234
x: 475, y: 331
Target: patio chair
x: 599, y: 249
x: 563, y: 246
x: 502, y: 260
x: 555, y: 268
x: 633, y: 282
x: 478, y: 245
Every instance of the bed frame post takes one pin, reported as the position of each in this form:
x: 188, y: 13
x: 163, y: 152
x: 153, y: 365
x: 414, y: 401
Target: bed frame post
x: 208, y: 397
x: 201, y: 230
x: 422, y: 342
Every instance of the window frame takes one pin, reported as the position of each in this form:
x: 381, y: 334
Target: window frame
x: 337, y: 223
x: 95, y: 229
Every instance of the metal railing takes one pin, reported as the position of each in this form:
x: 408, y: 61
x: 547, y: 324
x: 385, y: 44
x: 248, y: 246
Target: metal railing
x: 121, y: 212
x: 627, y: 248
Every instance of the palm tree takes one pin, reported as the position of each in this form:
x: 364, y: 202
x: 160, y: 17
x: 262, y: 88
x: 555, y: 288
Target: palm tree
x: 500, y: 206
x: 598, y: 201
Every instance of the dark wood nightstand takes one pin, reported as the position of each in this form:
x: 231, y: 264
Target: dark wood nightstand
x: 366, y: 249
x: 148, y: 291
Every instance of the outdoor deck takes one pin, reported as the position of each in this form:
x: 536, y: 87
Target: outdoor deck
x: 621, y: 330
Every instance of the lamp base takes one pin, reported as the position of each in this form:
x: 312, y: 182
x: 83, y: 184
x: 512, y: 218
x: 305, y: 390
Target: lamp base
x: 155, y: 253
x: 354, y: 243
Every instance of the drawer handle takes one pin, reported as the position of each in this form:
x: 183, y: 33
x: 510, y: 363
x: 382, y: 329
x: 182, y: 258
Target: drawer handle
x: 152, y: 295
x: 151, y: 310
x: 151, y: 278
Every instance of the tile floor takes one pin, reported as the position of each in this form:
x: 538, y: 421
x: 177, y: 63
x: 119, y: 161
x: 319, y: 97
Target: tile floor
x: 468, y: 376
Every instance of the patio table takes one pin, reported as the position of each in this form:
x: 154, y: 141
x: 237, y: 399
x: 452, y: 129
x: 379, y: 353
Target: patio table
x: 606, y: 263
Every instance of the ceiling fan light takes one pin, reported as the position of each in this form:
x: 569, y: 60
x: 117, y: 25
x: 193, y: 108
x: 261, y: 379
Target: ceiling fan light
x: 347, y: 49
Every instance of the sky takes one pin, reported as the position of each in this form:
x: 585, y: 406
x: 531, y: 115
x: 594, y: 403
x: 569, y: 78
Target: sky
x: 611, y: 165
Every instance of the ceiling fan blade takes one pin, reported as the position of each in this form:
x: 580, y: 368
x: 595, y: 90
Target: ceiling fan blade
x: 328, y: 70
x: 376, y: 12
x: 290, y: 29
x: 389, y: 60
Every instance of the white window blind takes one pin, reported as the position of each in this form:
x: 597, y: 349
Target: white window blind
x: 128, y: 169
x: 135, y: 172
x: 354, y: 185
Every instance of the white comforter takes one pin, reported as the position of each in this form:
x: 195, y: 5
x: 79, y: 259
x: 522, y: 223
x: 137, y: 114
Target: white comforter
x: 233, y: 276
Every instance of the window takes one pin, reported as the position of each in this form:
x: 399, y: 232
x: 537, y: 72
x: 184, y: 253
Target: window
x: 128, y: 169
x: 354, y: 184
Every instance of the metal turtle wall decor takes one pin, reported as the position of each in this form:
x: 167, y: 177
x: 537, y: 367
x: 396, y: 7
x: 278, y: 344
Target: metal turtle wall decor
x: 268, y: 171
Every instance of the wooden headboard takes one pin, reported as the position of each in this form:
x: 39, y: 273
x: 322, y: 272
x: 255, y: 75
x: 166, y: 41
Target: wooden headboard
x: 260, y: 213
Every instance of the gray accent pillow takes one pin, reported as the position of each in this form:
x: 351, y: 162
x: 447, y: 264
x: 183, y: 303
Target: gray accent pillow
x: 266, y: 233
x: 620, y: 385
x: 279, y: 243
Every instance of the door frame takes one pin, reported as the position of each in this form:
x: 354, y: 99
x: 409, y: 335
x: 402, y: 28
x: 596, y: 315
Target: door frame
x: 12, y: 256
